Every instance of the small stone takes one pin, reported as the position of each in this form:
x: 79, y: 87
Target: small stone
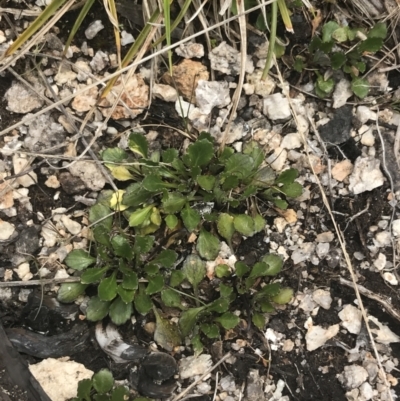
x: 303, y: 253
x: 82, y: 69
x: 337, y: 130
x: 327, y: 236
x: 194, y: 366
x: 342, y: 170
x: 322, y: 298
x: 382, y: 333
x: 396, y: 227
x: 72, y: 226
x: 351, y: 318
x: 276, y: 107
x: 342, y: 93
x: 65, y: 75
x: 165, y: 92
x: 317, y: 336
x: 85, y: 101
x: 291, y: 141
x: 52, y: 182
x: 383, y: 239
x: 100, y: 61
x: 24, y: 272
x: 390, y: 278
x: 364, y: 114
x: 89, y: 173
x: 70, y: 184
x: 93, y: 29
x: 190, y: 50
x: 20, y: 165
x: 28, y: 241
x: 277, y: 159
x: 259, y: 86
x: 210, y: 94
x: 366, y: 175
x: 367, y: 136
x: 366, y: 391
x: 380, y: 262
x: 21, y: 100
x: 322, y: 249
x: 353, y: 376
x: 126, y: 38
x: 6, y: 230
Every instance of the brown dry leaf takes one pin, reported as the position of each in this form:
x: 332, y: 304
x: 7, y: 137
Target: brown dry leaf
x: 289, y: 215
x: 316, y: 22
x: 342, y: 170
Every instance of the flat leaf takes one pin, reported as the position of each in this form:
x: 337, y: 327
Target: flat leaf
x: 171, y: 298
x: 197, y: 345
x: 84, y: 389
x: 337, y: 59
x: 240, y: 165
x: 122, y: 247
x: 190, y: 217
x: 171, y: 221
x: 244, y: 224
x: 225, y: 290
x: 258, y: 320
x: 287, y: 176
x: 130, y: 281
x: 69, y: 292
x: 143, y: 302
x: 328, y: 29
x: 107, y: 289
x: 360, y: 87
x: 155, y: 217
x: 120, y: 311
x: 284, y: 296
x: 154, y: 183
x: 199, y: 153
x: 220, y: 305
x: 135, y: 195
x: 114, y: 155
x: 270, y: 290
x: 188, y: 320
x: 274, y: 263
x: 166, y: 258
x: 120, y: 393
x: 98, y: 213
x: 101, y: 235
x: 264, y: 177
x: 120, y: 173
x: 325, y: 86
x: 137, y: 143
x: 126, y: 295
x: 103, y: 381
x: 259, y: 270
x: 93, y: 275
x: 225, y: 226
x: 259, y: 223
x: 140, y: 216
x: 207, y: 245
x: 206, y: 182
x: 210, y: 330
x: 228, y: 320
x: 143, y: 244
x: 222, y: 271
x: 79, y: 259
x: 292, y: 190
x: 379, y: 30
x: 152, y: 269
x: 177, y: 276
x: 230, y: 182
x: 194, y: 270
x: 371, y: 45
x: 167, y: 333
x: 169, y: 155
x: 173, y: 202
x: 340, y: 35
x: 241, y: 269
x: 97, y: 309
x: 155, y: 285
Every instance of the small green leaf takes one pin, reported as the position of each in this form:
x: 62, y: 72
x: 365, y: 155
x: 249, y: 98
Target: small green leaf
x: 166, y: 334
x: 230, y: 182
x: 284, y: 296
x: 240, y: 165
x: 97, y: 309
x: 225, y: 290
x: 190, y: 217
x: 120, y: 311
x: 166, y: 258
x: 84, y: 389
x: 140, y: 216
x: 199, y: 153
x: 292, y: 190
x: 206, y: 182
x: 122, y: 247
x: 287, y: 176
x: 266, y: 306
x: 114, y: 155
x: 264, y: 177
x: 68, y: 292
x: 152, y: 269
x: 90, y: 276
x: 155, y: 285
x: 98, y: 213
x: 126, y: 295
x: 154, y: 183
x: 270, y: 290
x: 220, y: 305
x: 328, y: 29
x: 120, y: 393
x: 340, y: 35
x: 274, y: 263
x: 107, y: 289
x: 137, y: 143
x: 228, y: 320
x: 79, y: 259
x: 143, y: 302
x: 259, y: 223
x: 197, y: 345
x: 172, y: 221
x: 207, y: 245
x: 169, y: 155
x: 173, y: 202
x: 225, y: 226
x: 143, y: 244
x: 171, y: 298
x: 222, y: 271
x: 177, y: 276
x: 120, y: 173
x: 130, y: 281
x: 194, y: 270
x: 103, y: 381
x: 101, y: 234
x: 241, y: 269
x: 210, y: 330
x: 244, y: 224
x: 337, y: 59
x: 259, y: 270
x: 135, y: 195
x: 188, y: 320
x: 258, y: 320
x: 360, y: 87
x: 299, y: 64
x: 379, y: 30
x: 371, y: 45
x: 325, y: 86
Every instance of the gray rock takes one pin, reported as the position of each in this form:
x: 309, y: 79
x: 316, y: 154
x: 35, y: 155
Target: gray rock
x: 276, y: 107
x: 337, y: 130
x: 21, y: 99
x: 28, y: 241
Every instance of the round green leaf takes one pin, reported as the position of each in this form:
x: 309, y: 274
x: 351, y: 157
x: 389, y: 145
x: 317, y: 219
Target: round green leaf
x: 97, y: 309
x: 173, y: 202
x: 194, y: 270
x: 244, y: 224
x: 190, y: 217
x: 199, y: 153
x: 120, y: 312
x: 103, y: 381
x: 241, y: 269
x: 153, y: 183
x: 99, y: 212
x: 171, y: 221
x: 222, y: 271
x: 120, y: 393
x: 177, y: 276
x: 284, y: 296
x: 328, y: 29
x: 188, y: 320
x: 142, y: 301
x: 156, y: 284
x: 122, y: 247
x: 225, y: 226
x: 210, y: 330
x: 207, y: 245
x: 92, y: 275
x: 130, y: 281
x: 126, y: 295
x: 206, y: 182
x: 360, y: 87
x: 258, y: 320
x: 274, y: 263
x: 228, y: 320
x: 79, y: 259
x: 84, y: 388
x: 68, y: 292
x: 140, y: 216
x: 107, y: 289
x: 166, y: 258
x: 171, y: 298
x: 137, y: 143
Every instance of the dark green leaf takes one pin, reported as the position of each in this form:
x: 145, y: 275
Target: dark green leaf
x: 155, y: 285
x: 266, y: 306
x: 274, y: 263
x: 169, y: 155
x: 222, y: 271
x: 122, y: 247
x: 167, y: 333
x: 171, y: 298
x: 101, y: 235
x: 177, y: 276
x: 173, y: 202
x: 107, y: 289
x: 241, y: 269
x: 360, y: 87
x: 206, y: 182
x: 337, y: 59
x: 292, y: 190
x: 220, y: 305
x: 143, y: 302
x: 190, y: 217
x: 68, y: 292
x: 166, y: 258
x: 153, y: 183
x: 254, y: 150
x: 225, y: 290
x: 259, y: 223
x: 199, y: 153
x: 84, y: 388
x: 225, y: 226
x: 240, y: 164
x: 325, y: 86
x: 207, y: 245
x: 299, y: 64
x: 270, y: 290
x: 103, y: 381
x: 98, y: 213
x: 371, y: 45
x: 287, y: 176
x: 126, y: 295
x: 90, y: 276
x: 258, y: 320
x: 114, y: 155
x: 120, y: 311
x: 379, y: 30
x: 210, y: 330
x: 264, y: 177
x: 143, y: 244
x: 284, y: 296
x: 259, y: 270
x: 79, y: 259
x: 136, y: 195
x: 194, y: 270
x: 230, y: 182
x: 120, y: 393
x: 197, y: 345
x: 244, y: 224
x: 172, y: 221
x: 188, y: 320
x: 137, y: 143
x: 152, y: 269
x: 228, y: 320
x: 130, y: 281
x: 328, y: 29
x: 97, y: 309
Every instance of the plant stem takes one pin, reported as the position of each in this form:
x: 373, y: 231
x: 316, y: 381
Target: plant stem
x: 272, y: 38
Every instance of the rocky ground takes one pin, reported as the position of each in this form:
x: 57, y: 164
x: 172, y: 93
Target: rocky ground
x: 337, y: 339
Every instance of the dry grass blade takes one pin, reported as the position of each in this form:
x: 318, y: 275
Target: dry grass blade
x: 111, y: 10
